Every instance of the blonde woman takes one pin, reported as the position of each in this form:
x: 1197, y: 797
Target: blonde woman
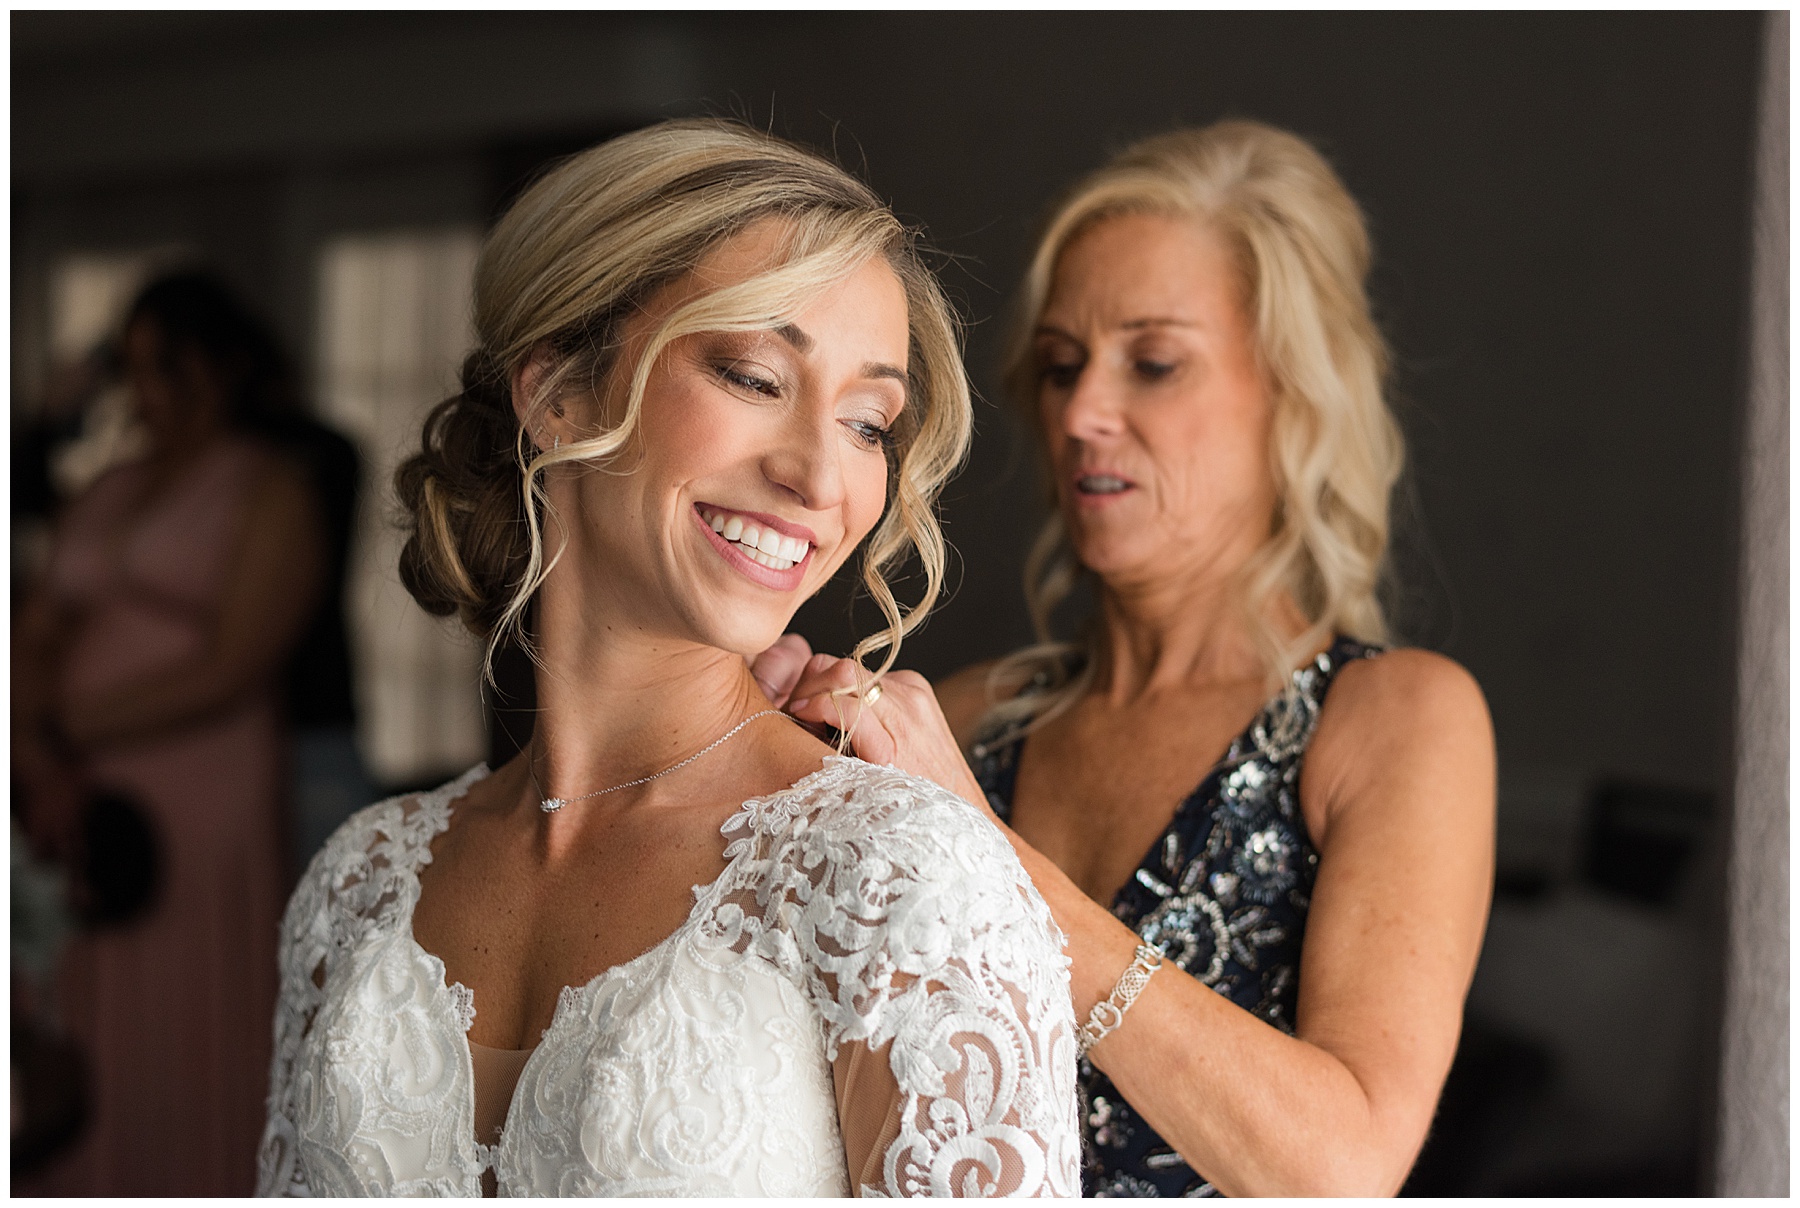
x: 677, y: 946
x: 1269, y: 841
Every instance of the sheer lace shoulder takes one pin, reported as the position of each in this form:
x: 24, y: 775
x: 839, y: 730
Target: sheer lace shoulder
x: 862, y: 912
x: 914, y: 928
x: 362, y: 879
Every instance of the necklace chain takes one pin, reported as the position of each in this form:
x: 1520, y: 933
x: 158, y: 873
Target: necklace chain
x: 551, y: 804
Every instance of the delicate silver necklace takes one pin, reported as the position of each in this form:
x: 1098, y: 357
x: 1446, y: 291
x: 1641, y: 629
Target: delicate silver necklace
x: 551, y: 804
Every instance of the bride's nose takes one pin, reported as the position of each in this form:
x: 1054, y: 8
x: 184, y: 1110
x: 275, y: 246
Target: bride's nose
x: 806, y: 461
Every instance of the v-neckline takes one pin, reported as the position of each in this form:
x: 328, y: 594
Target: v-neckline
x: 446, y: 995
x: 1151, y: 857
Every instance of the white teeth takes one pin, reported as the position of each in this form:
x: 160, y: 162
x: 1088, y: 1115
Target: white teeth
x: 766, y: 547
x: 1102, y: 484
x: 768, y: 560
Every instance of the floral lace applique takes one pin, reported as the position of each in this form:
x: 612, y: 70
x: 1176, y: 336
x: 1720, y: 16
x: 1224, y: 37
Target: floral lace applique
x: 859, y: 906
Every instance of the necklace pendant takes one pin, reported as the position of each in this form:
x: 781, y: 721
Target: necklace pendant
x: 551, y: 804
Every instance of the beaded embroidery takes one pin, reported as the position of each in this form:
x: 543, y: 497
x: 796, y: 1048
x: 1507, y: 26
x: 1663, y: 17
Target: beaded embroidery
x: 1224, y: 892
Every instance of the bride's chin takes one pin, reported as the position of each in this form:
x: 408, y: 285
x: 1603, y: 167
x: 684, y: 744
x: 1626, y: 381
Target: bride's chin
x: 739, y: 634
x: 742, y: 618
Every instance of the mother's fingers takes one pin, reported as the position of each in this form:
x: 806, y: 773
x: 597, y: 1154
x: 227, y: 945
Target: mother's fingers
x: 828, y: 675
x: 780, y: 667
x: 904, y: 726
x: 910, y: 682
x: 829, y: 693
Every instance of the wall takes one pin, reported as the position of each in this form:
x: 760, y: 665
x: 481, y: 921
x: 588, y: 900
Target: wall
x: 1752, y: 1155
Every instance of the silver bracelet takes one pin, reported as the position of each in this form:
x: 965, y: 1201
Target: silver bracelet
x: 1108, y: 1015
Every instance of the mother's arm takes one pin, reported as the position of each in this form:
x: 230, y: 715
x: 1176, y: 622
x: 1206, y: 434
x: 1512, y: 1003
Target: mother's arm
x: 1398, y: 790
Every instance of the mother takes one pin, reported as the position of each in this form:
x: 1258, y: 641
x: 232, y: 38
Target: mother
x: 1197, y: 354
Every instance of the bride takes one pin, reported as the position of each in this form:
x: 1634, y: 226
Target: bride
x: 677, y: 946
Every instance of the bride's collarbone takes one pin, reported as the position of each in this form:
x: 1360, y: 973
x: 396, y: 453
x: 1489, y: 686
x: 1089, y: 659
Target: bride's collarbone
x: 517, y: 929
x: 516, y: 920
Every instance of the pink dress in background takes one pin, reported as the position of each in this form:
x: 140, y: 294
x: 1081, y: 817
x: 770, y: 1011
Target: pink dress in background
x: 173, y: 1009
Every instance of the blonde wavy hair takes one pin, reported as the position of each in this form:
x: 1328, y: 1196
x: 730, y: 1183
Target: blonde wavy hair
x: 578, y: 255
x: 1335, y: 448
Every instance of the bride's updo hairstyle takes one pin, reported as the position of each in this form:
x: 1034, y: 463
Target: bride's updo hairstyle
x: 581, y: 252
x: 1335, y: 449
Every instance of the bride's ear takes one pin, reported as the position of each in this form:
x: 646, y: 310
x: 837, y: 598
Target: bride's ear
x: 544, y: 424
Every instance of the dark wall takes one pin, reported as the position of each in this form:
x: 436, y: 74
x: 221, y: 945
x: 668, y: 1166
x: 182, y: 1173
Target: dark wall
x: 1558, y: 206
x: 1557, y: 201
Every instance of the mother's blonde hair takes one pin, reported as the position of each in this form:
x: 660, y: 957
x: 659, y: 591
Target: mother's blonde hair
x: 577, y: 256
x: 1335, y: 449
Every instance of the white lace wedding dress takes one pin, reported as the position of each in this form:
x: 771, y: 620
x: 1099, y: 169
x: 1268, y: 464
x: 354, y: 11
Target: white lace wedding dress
x: 859, y: 907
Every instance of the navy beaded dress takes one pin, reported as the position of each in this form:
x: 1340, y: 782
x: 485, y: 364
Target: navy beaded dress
x: 1224, y: 892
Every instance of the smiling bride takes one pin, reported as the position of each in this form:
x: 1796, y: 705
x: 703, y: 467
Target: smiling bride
x: 677, y: 946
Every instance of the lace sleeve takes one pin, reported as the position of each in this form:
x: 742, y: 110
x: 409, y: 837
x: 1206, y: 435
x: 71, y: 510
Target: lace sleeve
x: 941, y: 976
x: 304, y: 946
x: 349, y: 887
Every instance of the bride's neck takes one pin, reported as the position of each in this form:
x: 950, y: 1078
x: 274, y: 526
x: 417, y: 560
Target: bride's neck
x: 615, y: 702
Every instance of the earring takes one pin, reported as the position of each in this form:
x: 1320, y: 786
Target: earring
x: 555, y: 443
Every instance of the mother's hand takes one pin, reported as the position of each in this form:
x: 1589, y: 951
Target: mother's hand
x: 779, y: 668
x: 903, y: 726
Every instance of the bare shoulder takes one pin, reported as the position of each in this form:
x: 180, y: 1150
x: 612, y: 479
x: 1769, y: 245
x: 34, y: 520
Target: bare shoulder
x: 1405, y: 685
x: 785, y: 755
x: 963, y: 696
x: 1407, y: 725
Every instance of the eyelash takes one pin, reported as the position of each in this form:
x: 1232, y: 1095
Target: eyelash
x: 744, y: 381
x: 1064, y: 376
x: 872, y: 436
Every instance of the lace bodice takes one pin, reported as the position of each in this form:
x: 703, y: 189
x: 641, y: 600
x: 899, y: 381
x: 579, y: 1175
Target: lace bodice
x: 861, y: 906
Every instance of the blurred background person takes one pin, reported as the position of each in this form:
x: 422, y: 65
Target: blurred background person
x: 148, y: 715
x: 1225, y: 764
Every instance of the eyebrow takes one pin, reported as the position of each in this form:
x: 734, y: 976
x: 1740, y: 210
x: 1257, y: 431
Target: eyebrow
x: 874, y: 369
x: 1128, y: 325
